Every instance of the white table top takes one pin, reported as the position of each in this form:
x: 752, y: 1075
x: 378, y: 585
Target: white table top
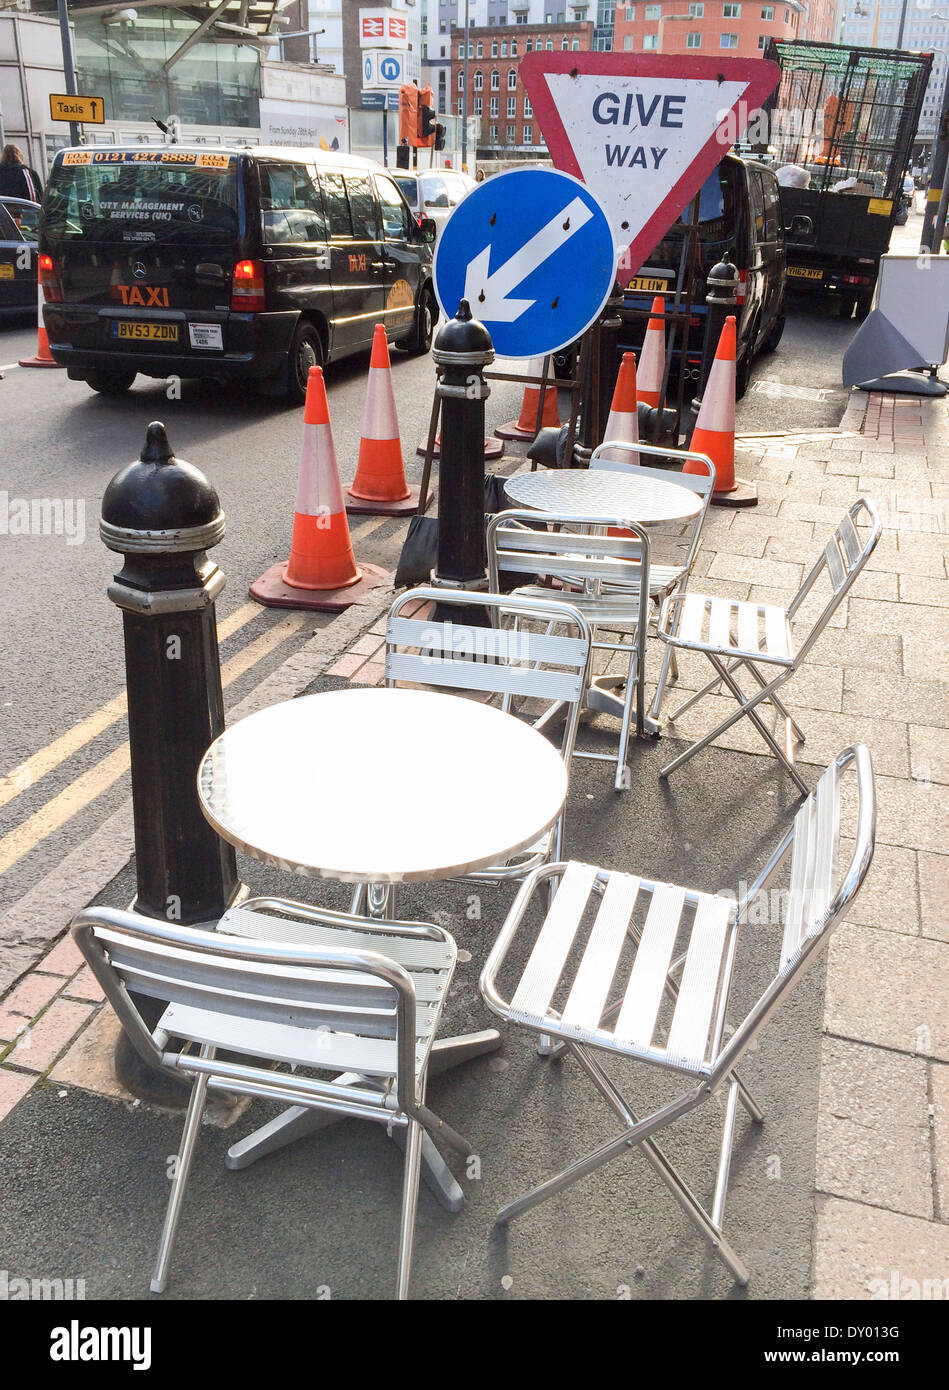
x: 604, y: 492
x: 371, y: 785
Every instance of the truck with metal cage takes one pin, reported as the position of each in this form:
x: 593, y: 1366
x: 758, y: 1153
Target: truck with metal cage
x: 840, y: 130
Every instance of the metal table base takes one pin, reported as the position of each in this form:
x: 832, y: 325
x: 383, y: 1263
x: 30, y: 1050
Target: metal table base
x: 299, y: 1120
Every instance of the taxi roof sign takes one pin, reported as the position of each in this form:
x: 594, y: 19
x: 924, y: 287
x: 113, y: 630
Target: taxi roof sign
x: 89, y: 110
x: 643, y: 133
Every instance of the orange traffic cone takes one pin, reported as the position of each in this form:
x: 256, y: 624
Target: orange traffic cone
x: 379, y: 487
x: 623, y: 425
x: 322, y: 572
x: 714, y: 432
x: 525, y: 426
x: 43, y: 358
x: 652, y: 360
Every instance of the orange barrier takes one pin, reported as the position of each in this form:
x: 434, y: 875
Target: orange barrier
x: 623, y: 423
x: 321, y: 572
x: 525, y: 426
x: 714, y: 432
x: 652, y: 360
x: 43, y: 357
x: 379, y: 487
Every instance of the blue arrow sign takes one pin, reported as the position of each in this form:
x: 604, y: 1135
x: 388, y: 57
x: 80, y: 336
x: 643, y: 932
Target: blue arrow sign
x: 532, y: 252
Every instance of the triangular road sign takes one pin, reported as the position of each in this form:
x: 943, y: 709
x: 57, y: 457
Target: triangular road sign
x: 642, y: 132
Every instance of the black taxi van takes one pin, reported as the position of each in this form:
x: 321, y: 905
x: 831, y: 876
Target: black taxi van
x: 251, y: 264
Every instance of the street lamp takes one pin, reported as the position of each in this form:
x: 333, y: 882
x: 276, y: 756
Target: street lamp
x: 69, y: 66
x: 464, y: 80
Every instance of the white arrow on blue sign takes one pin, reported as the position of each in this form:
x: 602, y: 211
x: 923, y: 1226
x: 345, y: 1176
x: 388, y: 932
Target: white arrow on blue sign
x: 532, y: 252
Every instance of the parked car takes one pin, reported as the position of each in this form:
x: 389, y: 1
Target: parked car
x: 739, y: 216
x: 233, y: 264
x: 435, y: 193
x: 18, y: 226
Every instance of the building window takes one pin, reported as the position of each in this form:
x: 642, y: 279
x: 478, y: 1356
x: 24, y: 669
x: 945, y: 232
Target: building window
x: 478, y: 105
x: 461, y: 106
x: 529, y: 47
x: 696, y: 11
x: 511, y: 135
x: 493, y: 134
x: 575, y: 43
x: 511, y: 107
x: 494, y: 48
x: 479, y: 81
x: 494, y: 106
x: 461, y: 81
x: 461, y: 50
x: 528, y: 109
x: 521, y: 18
x: 630, y: 14
x: 528, y: 138
x: 628, y: 43
x: 728, y: 41
x: 511, y: 79
x: 495, y: 80
x: 549, y: 45
x: 653, y: 11
x: 471, y: 50
x: 787, y: 16
x: 731, y: 12
x: 504, y: 50
x: 762, y: 40
x: 514, y: 48
x: 767, y: 12
x: 693, y: 40
x: 650, y: 41
x: 480, y: 49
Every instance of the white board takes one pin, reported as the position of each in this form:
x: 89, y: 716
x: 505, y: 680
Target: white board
x: 913, y: 293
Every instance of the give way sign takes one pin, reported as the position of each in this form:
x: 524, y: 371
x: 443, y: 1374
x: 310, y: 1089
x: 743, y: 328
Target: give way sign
x: 643, y: 133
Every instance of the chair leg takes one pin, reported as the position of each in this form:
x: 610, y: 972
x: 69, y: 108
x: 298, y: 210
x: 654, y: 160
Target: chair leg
x: 778, y: 704
x: 668, y: 658
x: 180, y: 1181
x: 410, y: 1182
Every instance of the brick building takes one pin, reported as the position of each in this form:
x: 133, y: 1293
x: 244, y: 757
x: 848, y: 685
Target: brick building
x: 713, y: 28
x: 509, y: 127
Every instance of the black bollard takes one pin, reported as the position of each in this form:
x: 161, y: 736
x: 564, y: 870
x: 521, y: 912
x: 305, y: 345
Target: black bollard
x: 461, y: 350
x: 162, y: 515
x: 721, y: 297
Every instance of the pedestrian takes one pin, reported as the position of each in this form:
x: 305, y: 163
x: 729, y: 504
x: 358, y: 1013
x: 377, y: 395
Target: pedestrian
x: 18, y: 180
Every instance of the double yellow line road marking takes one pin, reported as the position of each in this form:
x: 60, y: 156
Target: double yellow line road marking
x: 84, y: 790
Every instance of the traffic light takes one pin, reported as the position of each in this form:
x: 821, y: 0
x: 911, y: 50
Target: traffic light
x: 426, y: 117
x: 439, y: 136
x: 402, y: 157
x: 408, y: 114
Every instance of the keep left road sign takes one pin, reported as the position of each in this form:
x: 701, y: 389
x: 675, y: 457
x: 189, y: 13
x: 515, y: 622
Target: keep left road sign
x: 532, y: 252
x: 89, y: 110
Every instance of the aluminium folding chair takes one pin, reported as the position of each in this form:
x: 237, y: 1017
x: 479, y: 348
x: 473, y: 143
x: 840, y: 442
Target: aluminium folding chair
x: 668, y: 1007
x: 324, y: 992
x: 671, y: 575
x: 511, y: 662
x: 534, y: 543
x: 740, y: 635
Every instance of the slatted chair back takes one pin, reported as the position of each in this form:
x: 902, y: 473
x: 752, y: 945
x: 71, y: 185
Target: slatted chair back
x: 821, y: 889
x: 513, y: 662
x: 843, y: 557
x: 532, y: 543
x: 336, y: 1006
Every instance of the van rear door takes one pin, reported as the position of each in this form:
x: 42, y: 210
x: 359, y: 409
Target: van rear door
x: 148, y: 240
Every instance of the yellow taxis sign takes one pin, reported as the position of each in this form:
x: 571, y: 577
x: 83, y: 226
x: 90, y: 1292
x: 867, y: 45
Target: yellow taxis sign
x: 91, y: 110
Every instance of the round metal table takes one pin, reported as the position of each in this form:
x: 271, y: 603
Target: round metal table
x: 604, y: 492
x: 381, y: 787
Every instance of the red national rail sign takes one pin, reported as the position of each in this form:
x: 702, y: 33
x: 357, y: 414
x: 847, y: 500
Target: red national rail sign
x: 642, y: 132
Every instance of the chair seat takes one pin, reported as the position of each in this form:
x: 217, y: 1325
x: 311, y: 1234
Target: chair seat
x: 730, y: 627
x: 430, y: 964
x: 632, y: 913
